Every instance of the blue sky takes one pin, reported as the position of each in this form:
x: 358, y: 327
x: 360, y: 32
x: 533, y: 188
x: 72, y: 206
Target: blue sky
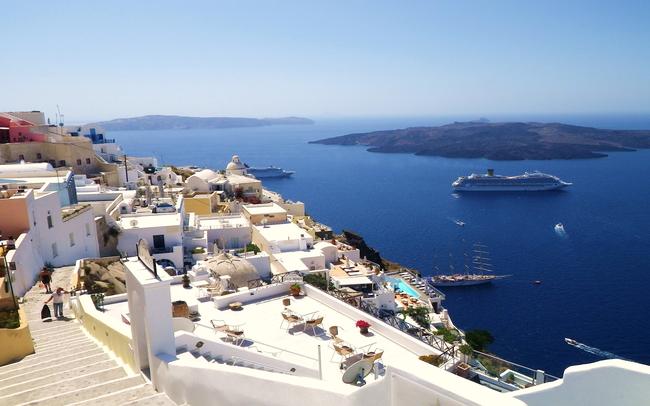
x: 321, y: 59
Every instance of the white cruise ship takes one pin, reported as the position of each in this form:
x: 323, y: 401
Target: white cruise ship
x: 534, y: 181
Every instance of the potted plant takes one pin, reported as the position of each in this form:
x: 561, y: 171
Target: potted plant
x: 294, y: 289
x: 198, y: 253
x: 466, y: 350
x: 186, y: 281
x: 363, y: 326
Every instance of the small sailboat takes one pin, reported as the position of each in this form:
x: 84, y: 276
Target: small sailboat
x: 571, y: 341
x: 459, y: 223
x: 559, y: 228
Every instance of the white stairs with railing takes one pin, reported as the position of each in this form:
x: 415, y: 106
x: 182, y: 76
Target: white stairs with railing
x: 68, y: 367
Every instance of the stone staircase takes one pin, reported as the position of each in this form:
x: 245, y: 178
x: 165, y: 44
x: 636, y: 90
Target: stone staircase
x: 68, y: 366
x: 231, y: 361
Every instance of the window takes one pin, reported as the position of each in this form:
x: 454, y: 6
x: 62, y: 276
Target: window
x: 88, y: 161
x: 55, y: 250
x: 39, y: 155
x: 71, y: 239
x: 79, y: 162
x: 49, y: 221
x: 62, y: 162
x: 87, y: 229
x: 159, y: 241
x: 21, y: 157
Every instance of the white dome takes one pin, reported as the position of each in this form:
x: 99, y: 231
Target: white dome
x: 239, y: 270
x: 235, y: 165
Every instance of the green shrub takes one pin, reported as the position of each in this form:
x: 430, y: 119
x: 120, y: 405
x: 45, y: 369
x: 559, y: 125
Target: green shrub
x: 419, y: 314
x: 432, y: 359
x: 9, y: 319
x: 318, y: 281
x: 466, y: 349
x: 250, y: 248
x: 479, y: 339
x: 448, y: 335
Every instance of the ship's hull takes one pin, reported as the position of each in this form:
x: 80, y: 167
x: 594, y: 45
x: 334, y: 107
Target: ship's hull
x: 262, y: 173
x: 442, y: 284
x: 508, y: 188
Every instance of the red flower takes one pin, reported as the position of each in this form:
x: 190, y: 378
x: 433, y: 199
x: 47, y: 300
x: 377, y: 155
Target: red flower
x: 362, y: 324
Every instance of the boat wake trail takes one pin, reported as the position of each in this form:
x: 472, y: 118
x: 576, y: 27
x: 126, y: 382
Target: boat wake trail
x: 597, y: 351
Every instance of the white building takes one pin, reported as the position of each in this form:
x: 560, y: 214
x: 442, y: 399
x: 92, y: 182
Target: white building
x: 285, y: 237
x: 42, y: 177
x: 264, y: 213
x: 162, y: 231
x: 44, y: 232
x: 226, y: 232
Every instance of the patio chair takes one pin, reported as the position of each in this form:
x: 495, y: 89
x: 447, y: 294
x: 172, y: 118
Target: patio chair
x: 374, y: 356
x: 236, y: 334
x: 343, y: 350
x: 313, y: 322
x: 334, y: 333
x: 219, y: 325
x: 291, y: 319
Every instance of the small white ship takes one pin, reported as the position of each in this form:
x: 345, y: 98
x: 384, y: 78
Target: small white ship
x: 529, y: 181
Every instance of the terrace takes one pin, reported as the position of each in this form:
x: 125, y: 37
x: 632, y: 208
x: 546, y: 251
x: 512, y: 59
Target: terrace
x: 297, y: 348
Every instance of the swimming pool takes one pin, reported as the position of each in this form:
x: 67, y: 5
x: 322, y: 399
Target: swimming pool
x: 401, y: 286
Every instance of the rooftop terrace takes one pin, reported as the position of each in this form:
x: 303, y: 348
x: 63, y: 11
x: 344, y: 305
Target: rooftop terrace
x: 267, y: 334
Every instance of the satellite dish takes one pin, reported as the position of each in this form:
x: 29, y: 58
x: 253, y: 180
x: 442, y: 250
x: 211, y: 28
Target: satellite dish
x: 357, y: 372
x: 133, y: 222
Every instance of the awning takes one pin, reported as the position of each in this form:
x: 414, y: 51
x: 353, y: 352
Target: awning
x: 354, y: 280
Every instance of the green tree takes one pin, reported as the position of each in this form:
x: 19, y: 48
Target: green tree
x: 479, y: 339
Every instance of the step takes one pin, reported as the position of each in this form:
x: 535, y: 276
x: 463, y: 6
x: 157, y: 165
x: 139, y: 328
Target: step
x: 59, y: 389
x: 40, y: 327
x: 40, y: 367
x: 62, y: 342
x: 36, y: 359
x: 159, y: 399
x: 90, y: 392
x: 52, y: 374
x: 121, y: 397
x: 63, y: 350
x: 59, y: 333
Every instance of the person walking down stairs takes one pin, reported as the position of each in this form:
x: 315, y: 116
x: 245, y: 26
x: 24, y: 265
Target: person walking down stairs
x: 57, y: 299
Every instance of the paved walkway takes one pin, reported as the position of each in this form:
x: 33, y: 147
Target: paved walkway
x: 68, y: 366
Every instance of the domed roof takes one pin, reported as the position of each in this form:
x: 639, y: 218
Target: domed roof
x: 239, y: 270
x: 235, y: 164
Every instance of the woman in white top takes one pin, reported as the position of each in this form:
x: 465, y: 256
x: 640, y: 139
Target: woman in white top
x: 57, y: 299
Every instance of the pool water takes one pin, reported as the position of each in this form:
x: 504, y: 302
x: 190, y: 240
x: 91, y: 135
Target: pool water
x: 401, y: 286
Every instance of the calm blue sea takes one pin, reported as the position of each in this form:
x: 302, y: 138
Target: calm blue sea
x: 595, y: 279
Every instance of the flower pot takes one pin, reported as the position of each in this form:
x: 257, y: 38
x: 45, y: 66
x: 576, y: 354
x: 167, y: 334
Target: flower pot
x: 295, y: 291
x: 180, y: 309
x: 363, y: 330
x: 286, y: 301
